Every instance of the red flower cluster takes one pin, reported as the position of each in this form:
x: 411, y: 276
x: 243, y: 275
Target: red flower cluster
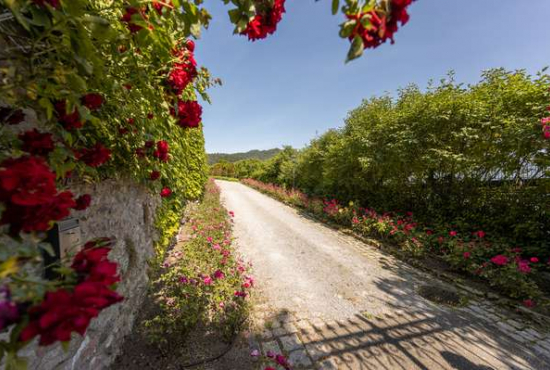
x: 382, y: 26
x: 94, y: 156
x: 63, y: 311
x: 162, y: 151
x: 189, y: 113
x: 11, y: 116
x: 69, y: 120
x: 92, y: 101
x: 182, y: 74
x: 28, y: 191
x: 263, y: 24
x: 36, y: 143
x: 127, y: 18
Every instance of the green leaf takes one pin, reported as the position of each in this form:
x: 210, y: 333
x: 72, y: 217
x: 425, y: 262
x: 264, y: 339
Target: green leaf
x: 335, y: 6
x: 356, y: 49
x: 346, y: 28
x: 234, y: 15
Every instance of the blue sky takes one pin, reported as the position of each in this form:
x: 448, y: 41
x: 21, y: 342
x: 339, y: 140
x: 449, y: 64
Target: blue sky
x: 293, y: 85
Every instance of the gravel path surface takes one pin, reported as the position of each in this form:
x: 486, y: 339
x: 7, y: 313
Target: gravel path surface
x: 342, y: 304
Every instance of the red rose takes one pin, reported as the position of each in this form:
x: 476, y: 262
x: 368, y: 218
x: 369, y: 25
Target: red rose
x: 189, y: 114
x: 190, y: 45
x: 68, y: 120
x: 92, y: 101
x: 63, y: 312
x: 94, y: 156
x: 266, y: 23
x: 162, y: 151
x: 30, y: 197
x: 37, y: 143
x: 83, y: 202
x: 382, y: 26
x: 150, y: 115
x: 140, y: 152
x: 182, y: 74
x: 155, y: 175
x: 127, y: 18
x: 165, y: 192
x: 11, y: 116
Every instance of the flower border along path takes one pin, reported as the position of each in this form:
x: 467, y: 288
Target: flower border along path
x: 456, y: 256
x: 198, y: 301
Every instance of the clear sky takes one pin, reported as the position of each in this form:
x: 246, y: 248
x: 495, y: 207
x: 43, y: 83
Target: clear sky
x: 294, y: 84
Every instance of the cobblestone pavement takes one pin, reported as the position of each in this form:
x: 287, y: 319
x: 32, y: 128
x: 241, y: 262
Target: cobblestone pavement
x: 329, y: 301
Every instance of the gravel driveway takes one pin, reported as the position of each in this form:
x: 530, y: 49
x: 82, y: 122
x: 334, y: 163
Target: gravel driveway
x: 346, y: 305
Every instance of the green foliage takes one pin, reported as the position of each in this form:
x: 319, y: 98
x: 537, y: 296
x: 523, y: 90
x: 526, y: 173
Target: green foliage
x: 262, y: 155
x: 470, y: 157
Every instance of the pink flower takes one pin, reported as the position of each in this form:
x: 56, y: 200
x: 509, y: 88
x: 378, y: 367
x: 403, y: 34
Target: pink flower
x: 453, y: 233
x: 500, y: 260
x: 534, y: 260
x: 466, y: 255
x: 523, y: 267
x: 219, y: 274
x: 207, y: 280
x: 255, y: 353
x: 529, y: 303
x: 480, y: 234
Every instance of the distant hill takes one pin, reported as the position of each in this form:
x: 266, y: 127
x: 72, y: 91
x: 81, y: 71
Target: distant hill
x: 234, y: 157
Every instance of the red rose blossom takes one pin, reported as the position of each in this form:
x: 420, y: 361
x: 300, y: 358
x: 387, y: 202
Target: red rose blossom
x: 165, y: 192
x: 30, y: 197
x: 37, y: 143
x: 162, y: 151
x: 94, y: 156
x: 190, y: 45
x: 92, y: 101
x: 63, y: 312
x: 266, y: 22
x: 188, y: 114
x: 83, y: 202
x: 382, y: 26
x: 127, y: 18
x: 69, y: 120
x: 155, y: 175
x: 11, y: 116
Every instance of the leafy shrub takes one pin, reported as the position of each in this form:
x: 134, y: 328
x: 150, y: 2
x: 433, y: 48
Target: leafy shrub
x: 202, y: 279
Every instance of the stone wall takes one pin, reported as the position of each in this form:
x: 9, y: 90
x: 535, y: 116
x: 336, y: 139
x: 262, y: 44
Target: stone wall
x: 125, y: 211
